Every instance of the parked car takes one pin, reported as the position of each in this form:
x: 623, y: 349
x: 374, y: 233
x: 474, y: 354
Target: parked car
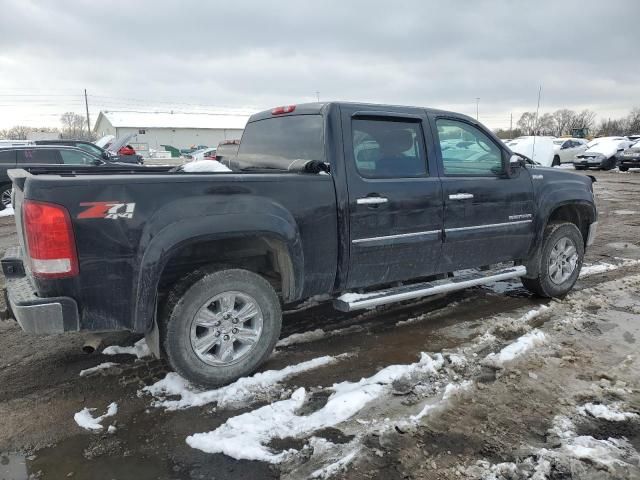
x: 566, y: 149
x: 601, y: 153
x: 201, y: 263
x: 208, y: 153
x: 629, y: 158
x: 49, y: 155
x: 227, y: 150
x: 108, y: 147
x: 539, y: 148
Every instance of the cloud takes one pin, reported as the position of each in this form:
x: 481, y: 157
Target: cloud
x: 259, y: 54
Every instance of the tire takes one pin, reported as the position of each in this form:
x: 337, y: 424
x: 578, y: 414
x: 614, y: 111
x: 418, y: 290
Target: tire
x: 549, y: 283
x: 6, y: 195
x: 556, y: 161
x: 225, y: 354
x: 623, y: 169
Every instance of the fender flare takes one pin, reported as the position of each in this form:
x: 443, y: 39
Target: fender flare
x: 179, y: 234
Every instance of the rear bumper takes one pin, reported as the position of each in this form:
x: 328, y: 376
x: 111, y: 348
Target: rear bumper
x: 631, y: 162
x: 34, y: 314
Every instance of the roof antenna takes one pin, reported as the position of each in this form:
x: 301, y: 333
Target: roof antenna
x: 535, y: 124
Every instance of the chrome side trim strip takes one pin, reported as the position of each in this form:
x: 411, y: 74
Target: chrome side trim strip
x: 491, y: 225
x: 391, y: 237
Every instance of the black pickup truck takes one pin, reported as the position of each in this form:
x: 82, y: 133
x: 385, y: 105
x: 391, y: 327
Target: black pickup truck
x: 372, y: 204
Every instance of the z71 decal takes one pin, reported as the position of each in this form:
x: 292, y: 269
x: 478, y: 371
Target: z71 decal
x: 111, y: 210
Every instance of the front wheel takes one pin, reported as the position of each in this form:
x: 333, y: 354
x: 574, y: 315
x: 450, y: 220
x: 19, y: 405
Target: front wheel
x: 220, y: 325
x: 560, y: 261
x: 623, y: 169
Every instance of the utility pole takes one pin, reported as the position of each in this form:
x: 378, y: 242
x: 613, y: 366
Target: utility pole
x: 477, y: 107
x: 317, y: 95
x: 511, y: 123
x: 86, y: 104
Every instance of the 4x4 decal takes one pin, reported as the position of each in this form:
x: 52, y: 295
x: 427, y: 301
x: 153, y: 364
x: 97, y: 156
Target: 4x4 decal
x: 111, y: 210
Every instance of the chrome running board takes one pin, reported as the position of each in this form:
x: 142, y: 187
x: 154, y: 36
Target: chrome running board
x: 352, y: 301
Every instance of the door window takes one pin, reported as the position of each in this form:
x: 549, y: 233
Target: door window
x: 73, y: 157
x: 39, y: 156
x: 8, y: 156
x: 388, y: 148
x: 466, y: 150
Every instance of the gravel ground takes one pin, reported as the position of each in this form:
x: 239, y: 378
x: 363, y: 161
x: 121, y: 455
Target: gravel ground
x: 533, y: 415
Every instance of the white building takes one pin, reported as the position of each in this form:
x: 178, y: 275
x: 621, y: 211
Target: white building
x: 180, y: 130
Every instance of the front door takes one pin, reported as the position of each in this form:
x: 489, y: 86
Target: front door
x: 488, y: 215
x: 395, y: 197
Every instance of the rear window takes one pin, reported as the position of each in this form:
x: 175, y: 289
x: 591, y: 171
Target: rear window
x: 276, y: 142
x: 7, y: 156
x: 37, y: 156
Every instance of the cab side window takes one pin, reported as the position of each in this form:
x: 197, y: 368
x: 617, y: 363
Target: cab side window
x: 466, y: 150
x: 39, y: 156
x: 388, y: 148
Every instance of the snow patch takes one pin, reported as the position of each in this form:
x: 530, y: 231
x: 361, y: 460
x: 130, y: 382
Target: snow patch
x: 317, y: 334
x: 515, y: 349
x: 241, y: 391
x: 611, y: 413
x: 336, y: 467
x: 625, y: 212
x: 245, y: 436
x: 451, y: 390
x: 594, y: 269
x: 7, y: 212
x: 87, y: 421
x: 204, y: 166
x: 102, y: 366
x: 140, y: 349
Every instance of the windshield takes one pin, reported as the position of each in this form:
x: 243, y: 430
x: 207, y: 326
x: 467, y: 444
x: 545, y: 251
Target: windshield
x: 276, y: 142
x: 558, y: 142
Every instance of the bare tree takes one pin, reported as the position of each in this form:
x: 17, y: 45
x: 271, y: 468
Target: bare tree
x: 633, y: 122
x: 73, y: 126
x: 563, y: 119
x: 546, y: 125
x: 19, y: 132
x: 584, y: 119
x: 527, y: 123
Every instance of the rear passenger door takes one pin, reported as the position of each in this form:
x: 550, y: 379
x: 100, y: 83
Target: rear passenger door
x: 395, y: 198
x: 488, y: 215
x: 38, y: 156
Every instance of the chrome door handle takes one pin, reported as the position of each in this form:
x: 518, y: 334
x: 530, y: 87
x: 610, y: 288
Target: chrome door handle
x: 460, y: 196
x: 371, y: 200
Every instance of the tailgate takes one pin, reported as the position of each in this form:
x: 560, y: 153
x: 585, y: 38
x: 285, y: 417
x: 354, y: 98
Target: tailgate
x: 18, y: 178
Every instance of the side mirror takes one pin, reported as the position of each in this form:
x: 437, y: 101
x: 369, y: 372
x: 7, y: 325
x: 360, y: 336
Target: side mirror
x: 516, y: 161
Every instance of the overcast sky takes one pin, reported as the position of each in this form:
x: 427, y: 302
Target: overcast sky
x: 146, y: 55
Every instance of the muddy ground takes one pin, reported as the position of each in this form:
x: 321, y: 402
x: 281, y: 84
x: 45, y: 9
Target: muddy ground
x: 526, y: 418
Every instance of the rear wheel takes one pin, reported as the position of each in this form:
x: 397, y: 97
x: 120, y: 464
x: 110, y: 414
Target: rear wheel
x: 5, y: 195
x: 560, y: 261
x: 220, y: 325
x: 556, y: 161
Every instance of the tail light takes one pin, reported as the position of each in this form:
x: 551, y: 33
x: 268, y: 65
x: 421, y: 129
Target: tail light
x: 283, y: 110
x: 50, y: 241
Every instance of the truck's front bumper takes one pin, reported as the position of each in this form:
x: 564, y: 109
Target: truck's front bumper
x: 34, y: 314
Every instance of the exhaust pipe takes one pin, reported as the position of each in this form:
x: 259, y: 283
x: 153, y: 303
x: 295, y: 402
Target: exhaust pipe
x: 92, y: 343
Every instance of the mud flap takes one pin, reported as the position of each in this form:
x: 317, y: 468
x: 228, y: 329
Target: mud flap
x: 152, y: 337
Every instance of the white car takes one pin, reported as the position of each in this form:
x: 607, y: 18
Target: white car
x: 538, y: 148
x: 565, y: 150
x: 202, y: 154
x: 602, y: 153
